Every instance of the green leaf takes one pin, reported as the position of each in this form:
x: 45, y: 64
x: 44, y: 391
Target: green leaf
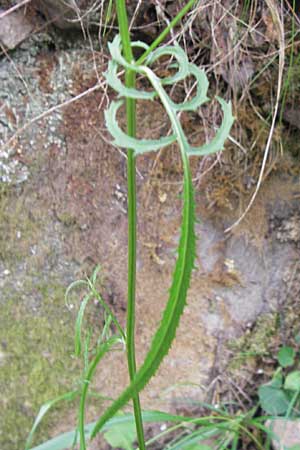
x: 123, y: 140
x: 65, y: 440
x: 114, y: 82
x: 197, y: 447
x: 88, y: 375
x: 273, y: 400
x: 179, y: 55
x: 43, y: 411
x: 292, y: 381
x: 197, y: 438
x: 277, y: 380
x: 115, y: 49
x: 166, y: 331
x: 286, y: 356
x: 78, y: 324
x: 121, y: 435
x: 201, y: 94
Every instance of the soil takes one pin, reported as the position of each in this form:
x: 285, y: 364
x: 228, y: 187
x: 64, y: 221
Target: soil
x: 63, y: 210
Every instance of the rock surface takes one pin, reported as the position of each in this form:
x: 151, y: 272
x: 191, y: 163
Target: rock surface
x: 15, y: 27
x: 287, y: 433
x: 67, y: 14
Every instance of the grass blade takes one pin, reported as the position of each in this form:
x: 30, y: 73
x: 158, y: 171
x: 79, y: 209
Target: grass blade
x: 43, y: 411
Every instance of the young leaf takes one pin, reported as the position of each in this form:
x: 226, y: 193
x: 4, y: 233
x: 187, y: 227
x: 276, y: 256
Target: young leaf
x: 201, y: 94
x: 179, y: 55
x: 292, y: 381
x: 121, y: 435
x: 78, y: 325
x: 43, y: 411
x: 273, y: 400
x: 123, y: 140
x: 286, y: 356
x: 114, y: 82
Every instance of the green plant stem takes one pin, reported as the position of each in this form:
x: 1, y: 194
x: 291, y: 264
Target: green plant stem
x: 166, y: 31
x: 104, y: 348
x: 287, y: 82
x: 131, y: 195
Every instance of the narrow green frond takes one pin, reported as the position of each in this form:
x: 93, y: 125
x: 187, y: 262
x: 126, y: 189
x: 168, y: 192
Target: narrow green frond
x: 115, y: 49
x: 115, y: 83
x: 43, y: 411
x: 74, y: 285
x: 201, y: 94
x: 179, y: 55
x: 78, y: 325
x: 166, y: 332
x: 95, y: 274
x: 101, y: 351
x: 123, y: 140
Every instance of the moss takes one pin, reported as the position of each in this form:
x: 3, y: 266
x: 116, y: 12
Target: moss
x: 67, y: 219
x: 18, y: 230
x: 255, y: 342
x: 36, y: 363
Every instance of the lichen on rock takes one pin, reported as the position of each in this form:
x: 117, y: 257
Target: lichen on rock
x: 36, y: 363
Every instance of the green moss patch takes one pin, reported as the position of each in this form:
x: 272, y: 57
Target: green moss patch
x: 18, y: 230
x: 36, y: 363
x: 256, y: 342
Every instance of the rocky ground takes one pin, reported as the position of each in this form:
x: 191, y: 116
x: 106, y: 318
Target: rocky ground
x: 63, y: 211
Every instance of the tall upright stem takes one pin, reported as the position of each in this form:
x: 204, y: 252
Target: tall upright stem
x: 131, y: 186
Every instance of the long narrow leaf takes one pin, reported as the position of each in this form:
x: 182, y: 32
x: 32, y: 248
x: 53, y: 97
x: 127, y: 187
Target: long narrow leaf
x: 166, y: 331
x: 101, y: 351
x: 179, y: 55
x: 201, y: 94
x: 65, y: 440
x: 112, y: 79
x: 78, y: 325
x: 125, y: 141
x: 43, y: 411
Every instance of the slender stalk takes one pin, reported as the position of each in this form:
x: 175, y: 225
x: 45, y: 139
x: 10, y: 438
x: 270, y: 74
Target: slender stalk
x: 86, y: 382
x: 166, y: 31
x: 131, y: 195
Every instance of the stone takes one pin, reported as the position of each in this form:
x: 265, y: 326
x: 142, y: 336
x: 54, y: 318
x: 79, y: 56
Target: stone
x: 66, y: 14
x: 292, y: 116
x: 14, y: 28
x: 287, y: 433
